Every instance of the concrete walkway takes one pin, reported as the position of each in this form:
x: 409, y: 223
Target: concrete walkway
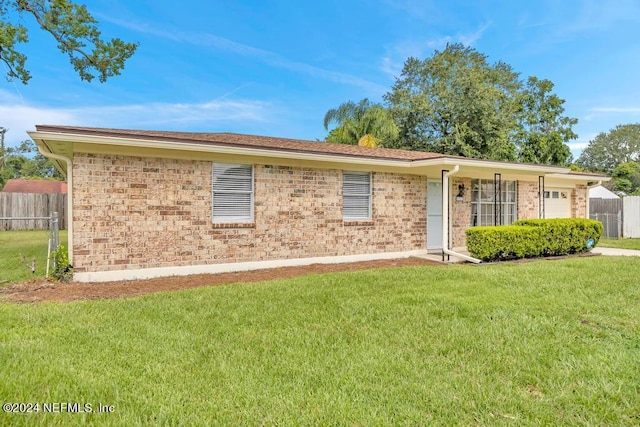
x: 615, y: 252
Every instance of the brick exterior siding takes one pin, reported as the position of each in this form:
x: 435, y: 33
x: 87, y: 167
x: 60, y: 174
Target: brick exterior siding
x: 460, y: 212
x: 141, y: 212
x: 528, y: 200
x: 579, y: 197
x: 134, y: 212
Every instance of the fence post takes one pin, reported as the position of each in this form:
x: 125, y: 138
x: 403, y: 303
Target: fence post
x: 619, y: 224
x: 55, y: 230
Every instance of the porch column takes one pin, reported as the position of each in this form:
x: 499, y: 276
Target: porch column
x: 541, y: 213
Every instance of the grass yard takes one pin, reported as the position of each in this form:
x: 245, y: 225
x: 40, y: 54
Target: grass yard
x: 620, y: 243
x: 535, y: 343
x: 17, y: 244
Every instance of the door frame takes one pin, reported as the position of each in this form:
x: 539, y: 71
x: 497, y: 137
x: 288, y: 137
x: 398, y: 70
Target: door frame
x: 434, y: 217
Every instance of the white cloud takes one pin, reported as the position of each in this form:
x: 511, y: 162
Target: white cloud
x: 392, y: 63
x: 625, y: 110
x: 600, y: 111
x: 593, y: 15
x: 578, y: 145
x: 470, y: 39
x: 268, y: 57
x: 20, y: 117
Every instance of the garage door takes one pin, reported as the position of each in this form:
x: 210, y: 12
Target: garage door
x: 557, y: 202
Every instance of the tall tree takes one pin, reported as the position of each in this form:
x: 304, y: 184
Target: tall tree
x: 456, y: 102
x: 609, y: 149
x: 626, y: 178
x: 543, y: 131
x: 73, y: 28
x: 364, y: 123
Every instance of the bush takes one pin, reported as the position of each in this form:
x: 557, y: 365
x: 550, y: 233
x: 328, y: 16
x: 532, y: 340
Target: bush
x: 567, y: 235
x: 503, y: 242
x: 62, y: 270
x: 533, y: 238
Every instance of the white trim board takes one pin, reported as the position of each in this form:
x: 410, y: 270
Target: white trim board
x: 151, y: 273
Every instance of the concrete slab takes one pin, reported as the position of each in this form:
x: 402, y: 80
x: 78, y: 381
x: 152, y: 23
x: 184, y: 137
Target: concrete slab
x: 615, y: 252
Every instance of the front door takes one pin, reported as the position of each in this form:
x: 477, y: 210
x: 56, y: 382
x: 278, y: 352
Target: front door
x: 434, y: 215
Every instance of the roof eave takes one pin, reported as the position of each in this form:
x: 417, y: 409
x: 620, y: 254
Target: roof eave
x: 583, y: 178
x: 216, y: 148
x: 494, y: 165
x: 222, y: 148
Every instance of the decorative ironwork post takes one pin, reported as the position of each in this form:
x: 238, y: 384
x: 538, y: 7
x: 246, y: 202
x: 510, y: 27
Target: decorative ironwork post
x: 497, y: 199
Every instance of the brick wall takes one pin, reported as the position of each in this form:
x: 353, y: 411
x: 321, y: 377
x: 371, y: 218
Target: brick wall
x: 528, y: 200
x: 579, y: 197
x: 460, y: 212
x: 133, y: 212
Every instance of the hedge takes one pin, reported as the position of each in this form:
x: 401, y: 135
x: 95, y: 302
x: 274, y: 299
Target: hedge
x: 533, y: 238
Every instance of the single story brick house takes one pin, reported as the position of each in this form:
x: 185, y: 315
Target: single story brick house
x: 150, y: 203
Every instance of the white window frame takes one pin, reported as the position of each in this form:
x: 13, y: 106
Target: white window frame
x: 351, y: 194
x: 221, y: 217
x: 482, y: 204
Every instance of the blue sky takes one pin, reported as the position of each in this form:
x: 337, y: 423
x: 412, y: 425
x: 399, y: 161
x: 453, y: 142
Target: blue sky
x: 275, y: 67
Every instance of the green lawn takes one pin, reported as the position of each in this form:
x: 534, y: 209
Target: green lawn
x: 14, y: 245
x: 535, y: 343
x: 620, y: 243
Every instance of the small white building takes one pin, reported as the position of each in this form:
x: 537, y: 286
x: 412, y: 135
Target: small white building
x: 601, y: 192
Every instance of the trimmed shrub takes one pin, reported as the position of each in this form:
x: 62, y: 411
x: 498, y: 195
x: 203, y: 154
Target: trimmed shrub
x: 567, y: 235
x: 533, y: 238
x: 503, y: 242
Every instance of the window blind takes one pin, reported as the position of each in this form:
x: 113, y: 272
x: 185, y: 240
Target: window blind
x: 356, y: 195
x: 232, y: 193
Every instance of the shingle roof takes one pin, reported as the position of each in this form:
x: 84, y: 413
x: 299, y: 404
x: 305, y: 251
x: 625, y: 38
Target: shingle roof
x: 34, y: 186
x: 248, y: 141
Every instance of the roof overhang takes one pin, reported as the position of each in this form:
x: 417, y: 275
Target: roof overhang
x: 578, y: 177
x: 66, y: 144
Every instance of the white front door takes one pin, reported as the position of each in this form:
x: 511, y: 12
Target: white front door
x: 434, y: 215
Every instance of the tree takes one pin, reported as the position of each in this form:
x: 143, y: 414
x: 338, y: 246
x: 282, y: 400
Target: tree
x: 608, y: 149
x: 74, y: 29
x: 25, y: 161
x: 456, y: 102
x: 365, y: 123
x: 626, y: 178
x: 543, y: 131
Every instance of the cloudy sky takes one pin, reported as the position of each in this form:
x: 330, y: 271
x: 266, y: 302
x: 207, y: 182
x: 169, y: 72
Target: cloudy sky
x: 275, y: 67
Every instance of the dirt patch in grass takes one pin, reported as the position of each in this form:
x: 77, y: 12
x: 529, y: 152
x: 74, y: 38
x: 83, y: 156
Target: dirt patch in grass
x: 43, y: 290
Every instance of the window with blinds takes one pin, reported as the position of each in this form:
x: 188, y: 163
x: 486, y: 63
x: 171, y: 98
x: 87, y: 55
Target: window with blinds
x: 356, y: 196
x: 232, y: 193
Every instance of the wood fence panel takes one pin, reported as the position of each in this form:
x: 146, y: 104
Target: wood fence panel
x: 610, y: 213
x: 31, y: 205
x: 631, y: 224
x: 600, y: 206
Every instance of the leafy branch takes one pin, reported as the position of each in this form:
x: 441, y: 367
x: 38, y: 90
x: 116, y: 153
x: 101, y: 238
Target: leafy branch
x: 74, y: 29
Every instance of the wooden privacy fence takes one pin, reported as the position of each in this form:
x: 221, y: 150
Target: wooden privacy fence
x: 620, y: 217
x: 609, y: 213
x: 31, y: 205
